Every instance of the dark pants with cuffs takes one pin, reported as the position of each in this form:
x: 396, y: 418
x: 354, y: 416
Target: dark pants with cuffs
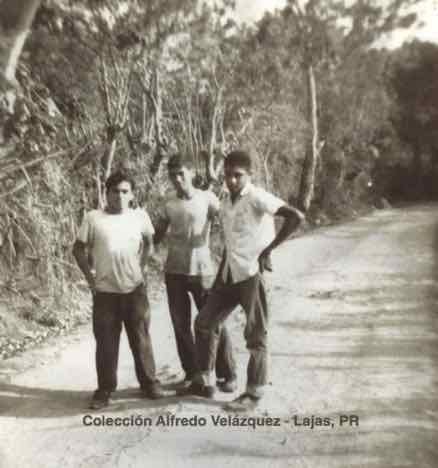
x: 178, y: 289
x: 223, y: 298
x: 110, y: 310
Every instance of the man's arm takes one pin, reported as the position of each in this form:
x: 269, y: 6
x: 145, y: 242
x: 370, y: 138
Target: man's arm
x: 292, y: 219
x: 213, y: 205
x: 161, y: 230
x: 147, y: 250
x: 81, y: 255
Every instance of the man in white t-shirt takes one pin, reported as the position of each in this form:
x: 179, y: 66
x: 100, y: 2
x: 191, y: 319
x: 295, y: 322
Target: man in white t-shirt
x: 118, y: 240
x: 189, y: 268
x: 247, y: 216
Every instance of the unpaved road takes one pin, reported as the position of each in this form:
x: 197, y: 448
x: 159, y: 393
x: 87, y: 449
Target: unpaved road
x: 354, y: 332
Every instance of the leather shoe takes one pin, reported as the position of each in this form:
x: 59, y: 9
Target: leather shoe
x: 227, y: 386
x: 197, y: 389
x: 155, y: 392
x: 100, y: 400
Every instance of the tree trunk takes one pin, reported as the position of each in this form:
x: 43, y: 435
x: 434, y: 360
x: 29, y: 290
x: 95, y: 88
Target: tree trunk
x: 15, y: 20
x: 109, y: 157
x: 417, y: 171
x: 212, y: 172
x: 307, y: 183
x: 160, y: 143
x: 103, y: 169
x: 100, y: 194
x: 267, y: 172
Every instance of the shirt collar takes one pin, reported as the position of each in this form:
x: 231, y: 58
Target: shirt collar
x: 243, y: 192
x: 246, y: 189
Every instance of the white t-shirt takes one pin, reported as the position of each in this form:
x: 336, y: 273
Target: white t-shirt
x: 116, y: 242
x: 190, y: 221
x: 248, y: 226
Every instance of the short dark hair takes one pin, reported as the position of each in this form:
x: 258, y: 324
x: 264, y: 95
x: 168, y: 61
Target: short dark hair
x: 239, y: 158
x: 177, y: 161
x: 121, y: 175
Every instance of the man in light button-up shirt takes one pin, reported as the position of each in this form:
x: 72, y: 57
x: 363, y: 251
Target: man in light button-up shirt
x: 247, y: 216
x: 248, y: 226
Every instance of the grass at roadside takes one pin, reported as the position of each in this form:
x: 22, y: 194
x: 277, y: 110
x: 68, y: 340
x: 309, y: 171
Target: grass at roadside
x: 28, y: 318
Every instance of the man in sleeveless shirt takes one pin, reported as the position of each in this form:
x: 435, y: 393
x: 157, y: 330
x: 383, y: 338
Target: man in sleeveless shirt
x: 189, y: 268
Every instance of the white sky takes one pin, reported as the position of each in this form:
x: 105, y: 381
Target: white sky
x: 252, y: 10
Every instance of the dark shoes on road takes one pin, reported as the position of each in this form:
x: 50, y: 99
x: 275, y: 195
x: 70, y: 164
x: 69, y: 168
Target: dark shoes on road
x: 207, y: 391
x: 197, y: 389
x: 100, y: 400
x: 182, y: 384
x: 155, y: 391
x: 227, y: 386
x: 244, y: 402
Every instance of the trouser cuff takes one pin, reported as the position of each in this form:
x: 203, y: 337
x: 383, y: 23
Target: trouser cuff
x: 208, y: 378
x: 256, y: 391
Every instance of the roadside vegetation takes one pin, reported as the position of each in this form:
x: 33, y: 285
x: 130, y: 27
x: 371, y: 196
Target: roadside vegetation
x: 336, y: 126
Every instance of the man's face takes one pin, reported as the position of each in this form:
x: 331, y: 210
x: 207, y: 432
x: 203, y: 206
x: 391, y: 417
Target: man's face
x: 119, y: 197
x: 236, y: 177
x: 181, y: 178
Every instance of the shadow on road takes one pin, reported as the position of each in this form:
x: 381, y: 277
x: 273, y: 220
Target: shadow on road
x: 433, y: 293
x: 32, y: 402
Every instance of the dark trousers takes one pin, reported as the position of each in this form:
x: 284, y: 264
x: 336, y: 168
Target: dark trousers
x: 110, y: 310
x: 223, y: 298
x: 178, y: 289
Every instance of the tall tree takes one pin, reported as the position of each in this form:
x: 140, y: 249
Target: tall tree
x: 15, y: 22
x: 314, y: 29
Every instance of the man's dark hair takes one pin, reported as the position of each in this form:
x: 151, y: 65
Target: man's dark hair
x: 239, y: 158
x: 177, y: 161
x: 121, y: 175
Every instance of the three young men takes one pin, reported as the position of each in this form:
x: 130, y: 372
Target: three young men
x: 189, y: 268
x: 119, y: 240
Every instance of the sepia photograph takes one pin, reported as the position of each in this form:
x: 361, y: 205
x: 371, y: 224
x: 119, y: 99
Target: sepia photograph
x: 219, y: 233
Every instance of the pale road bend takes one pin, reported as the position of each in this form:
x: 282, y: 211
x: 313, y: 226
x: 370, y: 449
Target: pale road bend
x: 354, y: 330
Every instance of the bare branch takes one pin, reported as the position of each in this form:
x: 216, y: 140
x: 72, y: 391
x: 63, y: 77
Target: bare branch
x: 16, y: 189
x: 33, y: 163
x: 103, y: 90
